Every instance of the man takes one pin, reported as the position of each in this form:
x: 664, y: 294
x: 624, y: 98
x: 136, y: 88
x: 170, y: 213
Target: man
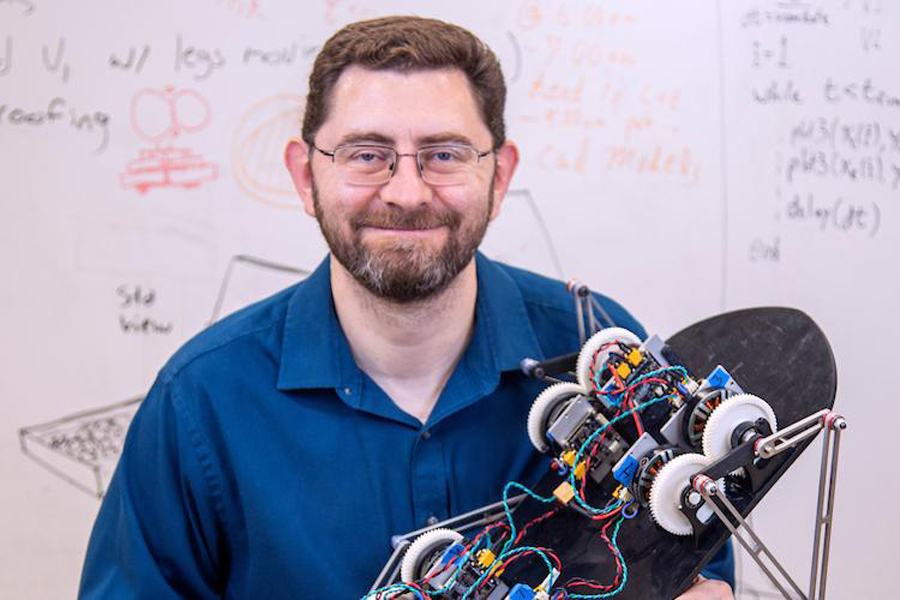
x: 279, y: 450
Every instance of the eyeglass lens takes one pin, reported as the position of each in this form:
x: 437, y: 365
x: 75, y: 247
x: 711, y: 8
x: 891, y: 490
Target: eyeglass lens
x: 438, y: 165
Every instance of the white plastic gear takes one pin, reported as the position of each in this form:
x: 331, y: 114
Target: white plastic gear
x: 545, y: 402
x: 425, y: 544
x: 727, y: 416
x: 665, y: 493
x: 594, y: 343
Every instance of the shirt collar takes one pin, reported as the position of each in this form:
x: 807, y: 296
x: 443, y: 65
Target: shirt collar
x: 315, y: 352
x: 500, y: 309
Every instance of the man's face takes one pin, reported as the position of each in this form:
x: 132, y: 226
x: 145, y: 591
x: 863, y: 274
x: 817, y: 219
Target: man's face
x: 404, y: 240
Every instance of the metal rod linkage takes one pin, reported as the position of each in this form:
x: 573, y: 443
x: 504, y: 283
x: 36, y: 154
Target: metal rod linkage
x: 833, y: 424
x: 781, y: 440
x: 579, y: 317
x: 768, y: 447
x: 708, y: 489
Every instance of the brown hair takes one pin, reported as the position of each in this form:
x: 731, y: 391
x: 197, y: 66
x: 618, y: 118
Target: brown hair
x: 407, y: 44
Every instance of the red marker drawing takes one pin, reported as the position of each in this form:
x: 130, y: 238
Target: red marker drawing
x: 161, y: 116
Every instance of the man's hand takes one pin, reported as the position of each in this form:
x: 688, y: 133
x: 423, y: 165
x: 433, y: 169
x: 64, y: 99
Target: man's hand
x: 707, y: 589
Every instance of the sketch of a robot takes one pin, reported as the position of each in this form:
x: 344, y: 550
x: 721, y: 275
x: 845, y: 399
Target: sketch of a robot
x: 162, y: 117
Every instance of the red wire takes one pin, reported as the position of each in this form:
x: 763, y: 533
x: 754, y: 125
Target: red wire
x: 587, y: 462
x: 595, y: 585
x: 606, y: 515
x: 535, y: 521
x: 637, y: 419
x: 547, y: 551
x: 593, y: 371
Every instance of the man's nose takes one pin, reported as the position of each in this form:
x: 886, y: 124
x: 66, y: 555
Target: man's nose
x: 406, y: 187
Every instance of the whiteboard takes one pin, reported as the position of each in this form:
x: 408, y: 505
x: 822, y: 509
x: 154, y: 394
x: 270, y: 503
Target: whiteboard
x: 684, y: 158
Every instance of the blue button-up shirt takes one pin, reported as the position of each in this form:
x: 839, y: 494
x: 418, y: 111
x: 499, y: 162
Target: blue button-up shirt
x: 265, y: 464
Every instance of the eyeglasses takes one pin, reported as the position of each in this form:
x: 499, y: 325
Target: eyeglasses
x: 446, y: 164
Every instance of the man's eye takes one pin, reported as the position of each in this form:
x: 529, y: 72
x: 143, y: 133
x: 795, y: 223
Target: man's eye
x: 443, y: 155
x: 367, y: 156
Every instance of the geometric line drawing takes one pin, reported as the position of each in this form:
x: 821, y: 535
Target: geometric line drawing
x: 161, y: 116
x: 82, y: 448
x: 520, y: 236
x: 258, y: 150
x: 248, y: 279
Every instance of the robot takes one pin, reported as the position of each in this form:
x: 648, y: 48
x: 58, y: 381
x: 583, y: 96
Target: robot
x: 652, y: 467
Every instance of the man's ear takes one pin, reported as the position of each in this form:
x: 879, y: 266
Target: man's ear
x: 297, y: 161
x: 507, y: 161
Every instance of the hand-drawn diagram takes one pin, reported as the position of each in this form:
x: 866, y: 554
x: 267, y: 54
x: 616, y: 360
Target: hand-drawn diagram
x: 258, y: 147
x: 161, y: 116
x: 84, y: 448
x: 520, y: 236
x: 248, y: 279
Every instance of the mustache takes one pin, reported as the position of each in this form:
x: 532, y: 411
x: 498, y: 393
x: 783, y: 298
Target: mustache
x: 425, y: 217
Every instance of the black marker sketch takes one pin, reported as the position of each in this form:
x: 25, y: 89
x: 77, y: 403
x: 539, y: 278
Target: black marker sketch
x: 56, y: 65
x: 6, y: 59
x: 192, y: 57
x: 27, y: 6
x: 517, y: 54
x: 133, y: 61
x: 248, y: 279
x: 83, y: 448
x: 520, y: 236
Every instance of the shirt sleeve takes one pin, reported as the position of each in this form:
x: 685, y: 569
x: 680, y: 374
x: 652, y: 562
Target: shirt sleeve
x: 157, y: 534
x: 721, y: 567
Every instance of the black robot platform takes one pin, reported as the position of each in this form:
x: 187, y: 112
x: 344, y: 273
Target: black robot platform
x: 659, y: 451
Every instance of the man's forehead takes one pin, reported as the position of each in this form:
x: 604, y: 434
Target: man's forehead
x: 409, y: 103
x: 357, y: 76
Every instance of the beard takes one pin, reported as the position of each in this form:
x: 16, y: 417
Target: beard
x: 405, y: 270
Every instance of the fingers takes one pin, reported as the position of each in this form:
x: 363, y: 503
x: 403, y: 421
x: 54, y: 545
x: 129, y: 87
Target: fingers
x: 707, y: 589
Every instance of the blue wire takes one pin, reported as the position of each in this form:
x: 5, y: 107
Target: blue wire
x: 394, y: 587
x: 509, y: 518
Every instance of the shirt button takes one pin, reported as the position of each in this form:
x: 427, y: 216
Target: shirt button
x: 426, y: 435
x: 432, y: 521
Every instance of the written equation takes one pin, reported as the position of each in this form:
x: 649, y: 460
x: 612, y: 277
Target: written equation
x: 833, y: 122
